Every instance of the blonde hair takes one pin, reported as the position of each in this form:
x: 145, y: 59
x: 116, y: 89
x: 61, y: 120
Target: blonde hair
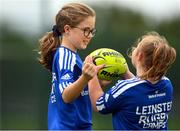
x: 158, y: 55
x: 71, y: 14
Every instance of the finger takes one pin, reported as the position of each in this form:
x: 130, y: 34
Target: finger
x: 100, y: 67
x: 88, y: 59
x: 88, y: 67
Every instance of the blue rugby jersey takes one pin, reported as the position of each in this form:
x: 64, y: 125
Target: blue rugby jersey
x: 77, y: 115
x: 137, y: 104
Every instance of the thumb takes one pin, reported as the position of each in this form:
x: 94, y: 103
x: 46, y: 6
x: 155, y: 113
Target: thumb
x: 100, y: 67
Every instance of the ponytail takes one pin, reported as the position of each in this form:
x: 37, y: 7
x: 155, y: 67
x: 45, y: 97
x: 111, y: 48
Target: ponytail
x: 158, y: 56
x: 47, y: 46
x: 162, y: 59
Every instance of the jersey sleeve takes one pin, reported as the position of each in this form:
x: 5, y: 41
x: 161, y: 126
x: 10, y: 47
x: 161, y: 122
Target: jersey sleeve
x: 117, y: 97
x: 107, y: 103
x: 64, y: 68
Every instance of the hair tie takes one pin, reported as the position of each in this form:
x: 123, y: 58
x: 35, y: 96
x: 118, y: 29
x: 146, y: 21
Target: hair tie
x: 56, y: 32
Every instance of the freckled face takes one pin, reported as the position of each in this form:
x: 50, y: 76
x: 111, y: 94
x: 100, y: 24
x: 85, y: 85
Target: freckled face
x: 78, y: 38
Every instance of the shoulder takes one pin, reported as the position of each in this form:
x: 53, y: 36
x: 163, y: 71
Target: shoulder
x: 64, y: 55
x: 64, y: 58
x: 124, y: 85
x: 129, y: 82
x: 166, y: 82
x: 64, y: 52
x: 165, y: 78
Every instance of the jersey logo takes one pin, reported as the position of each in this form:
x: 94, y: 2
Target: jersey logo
x: 156, y: 95
x: 66, y: 77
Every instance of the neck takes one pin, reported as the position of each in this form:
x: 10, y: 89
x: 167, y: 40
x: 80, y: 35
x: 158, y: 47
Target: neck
x: 66, y: 43
x: 140, y: 71
x: 152, y: 81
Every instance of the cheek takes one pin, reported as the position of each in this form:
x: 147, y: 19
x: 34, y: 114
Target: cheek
x: 133, y: 59
x: 77, y: 39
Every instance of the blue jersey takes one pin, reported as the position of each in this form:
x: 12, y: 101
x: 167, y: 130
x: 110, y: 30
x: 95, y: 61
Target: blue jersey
x: 77, y: 115
x: 137, y: 104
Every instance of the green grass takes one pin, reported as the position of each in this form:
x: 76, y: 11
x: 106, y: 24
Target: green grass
x: 31, y: 122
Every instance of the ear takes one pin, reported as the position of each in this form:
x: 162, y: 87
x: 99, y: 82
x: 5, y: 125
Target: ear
x: 67, y: 28
x: 139, y: 56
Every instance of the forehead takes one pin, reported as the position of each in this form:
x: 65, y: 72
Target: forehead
x: 88, y: 22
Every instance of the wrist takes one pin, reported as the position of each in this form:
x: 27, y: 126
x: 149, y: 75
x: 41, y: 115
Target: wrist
x: 83, y: 79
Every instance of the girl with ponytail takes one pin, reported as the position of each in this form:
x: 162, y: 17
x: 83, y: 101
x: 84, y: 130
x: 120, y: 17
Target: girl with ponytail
x: 140, y: 102
x: 69, y: 104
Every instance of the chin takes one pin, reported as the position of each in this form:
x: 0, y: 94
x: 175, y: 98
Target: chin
x: 83, y: 47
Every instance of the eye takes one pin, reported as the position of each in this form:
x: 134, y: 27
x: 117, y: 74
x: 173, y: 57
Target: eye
x: 87, y: 31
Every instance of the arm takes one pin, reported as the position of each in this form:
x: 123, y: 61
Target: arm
x: 73, y: 91
x: 95, y: 87
x: 89, y: 70
x: 128, y: 74
x: 95, y: 91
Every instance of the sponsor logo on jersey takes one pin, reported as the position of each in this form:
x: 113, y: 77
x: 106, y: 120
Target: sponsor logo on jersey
x: 156, y: 95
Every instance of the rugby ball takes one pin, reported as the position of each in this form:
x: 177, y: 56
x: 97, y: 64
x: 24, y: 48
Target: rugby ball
x: 115, y: 63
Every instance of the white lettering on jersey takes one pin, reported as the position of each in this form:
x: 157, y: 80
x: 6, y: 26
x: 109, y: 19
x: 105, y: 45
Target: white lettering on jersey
x: 106, y: 97
x: 54, y: 77
x: 84, y: 93
x: 100, y: 107
x: 53, y: 97
x: 153, y: 116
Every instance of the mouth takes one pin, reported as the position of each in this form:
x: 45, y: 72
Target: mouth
x: 85, y: 42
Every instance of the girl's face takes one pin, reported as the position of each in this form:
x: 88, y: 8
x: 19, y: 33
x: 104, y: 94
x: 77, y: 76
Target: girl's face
x: 133, y: 56
x: 80, y: 36
x: 137, y: 55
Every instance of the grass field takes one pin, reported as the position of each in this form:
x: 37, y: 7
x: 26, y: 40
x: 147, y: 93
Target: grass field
x: 100, y: 122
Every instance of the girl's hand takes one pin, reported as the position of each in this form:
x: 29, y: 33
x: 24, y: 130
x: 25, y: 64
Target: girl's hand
x: 104, y: 83
x: 128, y: 74
x: 89, y: 70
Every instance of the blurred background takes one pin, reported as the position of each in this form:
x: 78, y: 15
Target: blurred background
x: 25, y: 84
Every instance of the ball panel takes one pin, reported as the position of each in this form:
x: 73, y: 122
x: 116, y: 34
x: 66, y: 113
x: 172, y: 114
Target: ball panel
x: 115, y: 63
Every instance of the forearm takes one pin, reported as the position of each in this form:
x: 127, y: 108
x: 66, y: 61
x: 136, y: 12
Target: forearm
x: 95, y: 91
x: 73, y: 91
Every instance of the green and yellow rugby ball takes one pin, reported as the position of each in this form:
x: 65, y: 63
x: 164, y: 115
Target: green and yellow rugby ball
x: 115, y: 63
